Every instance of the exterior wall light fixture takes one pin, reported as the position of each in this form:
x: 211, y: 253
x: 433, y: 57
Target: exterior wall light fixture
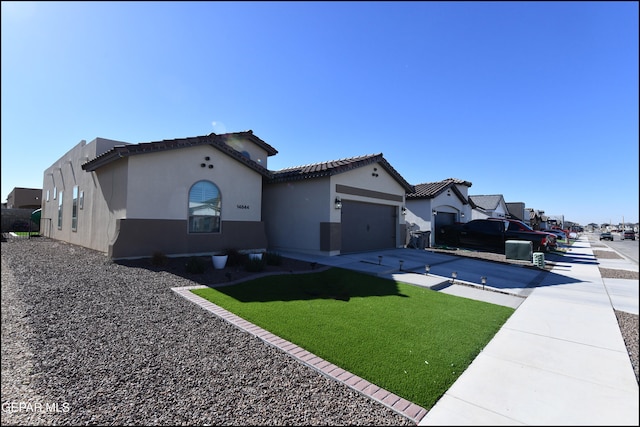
x: 338, y: 203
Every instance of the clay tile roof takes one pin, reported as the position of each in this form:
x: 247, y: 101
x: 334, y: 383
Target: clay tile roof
x: 334, y: 167
x: 430, y: 190
x: 218, y: 141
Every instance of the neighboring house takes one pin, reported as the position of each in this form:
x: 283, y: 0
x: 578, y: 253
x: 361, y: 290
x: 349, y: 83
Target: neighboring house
x: 432, y: 205
x: 537, y: 219
x: 556, y: 221
x: 25, y: 198
x: 489, y: 206
x: 17, y: 213
x: 197, y: 195
x: 341, y: 206
x: 516, y: 210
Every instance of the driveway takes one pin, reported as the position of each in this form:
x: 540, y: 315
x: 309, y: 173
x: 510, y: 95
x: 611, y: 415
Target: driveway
x: 403, y: 264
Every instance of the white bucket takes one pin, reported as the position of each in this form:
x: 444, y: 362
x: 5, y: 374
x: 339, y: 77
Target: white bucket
x: 219, y: 261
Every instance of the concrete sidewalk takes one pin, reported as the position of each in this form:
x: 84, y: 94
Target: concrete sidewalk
x: 559, y: 360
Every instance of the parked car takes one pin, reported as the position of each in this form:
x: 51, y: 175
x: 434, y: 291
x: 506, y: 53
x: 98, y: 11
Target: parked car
x: 606, y: 236
x: 520, y: 227
x: 492, y: 233
x: 561, y: 235
x: 629, y: 234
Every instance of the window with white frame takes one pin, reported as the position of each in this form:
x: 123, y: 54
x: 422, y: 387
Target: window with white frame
x: 74, y: 210
x: 204, y: 208
x: 60, y: 210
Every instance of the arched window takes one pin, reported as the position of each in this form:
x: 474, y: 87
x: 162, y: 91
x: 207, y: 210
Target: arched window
x: 204, y: 208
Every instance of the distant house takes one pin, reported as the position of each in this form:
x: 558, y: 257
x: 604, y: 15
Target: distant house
x: 202, y: 195
x: 433, y: 205
x: 537, y: 219
x: 24, y: 198
x: 516, y: 210
x: 489, y: 206
x: 556, y: 221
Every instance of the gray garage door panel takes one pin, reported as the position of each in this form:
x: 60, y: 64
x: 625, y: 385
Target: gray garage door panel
x: 367, y: 226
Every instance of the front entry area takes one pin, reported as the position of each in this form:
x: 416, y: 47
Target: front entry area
x: 442, y: 219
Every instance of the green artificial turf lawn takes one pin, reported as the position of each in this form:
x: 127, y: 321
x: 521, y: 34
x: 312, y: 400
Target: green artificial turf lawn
x: 409, y: 340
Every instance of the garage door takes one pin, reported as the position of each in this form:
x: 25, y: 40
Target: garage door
x: 367, y: 226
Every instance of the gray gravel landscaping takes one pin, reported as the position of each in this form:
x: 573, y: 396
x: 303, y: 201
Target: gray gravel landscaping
x: 86, y: 341
x: 89, y: 342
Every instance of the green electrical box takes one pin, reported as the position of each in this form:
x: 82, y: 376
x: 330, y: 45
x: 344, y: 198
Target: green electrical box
x: 518, y: 249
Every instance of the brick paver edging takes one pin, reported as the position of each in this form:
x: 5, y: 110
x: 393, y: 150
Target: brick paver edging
x: 402, y: 406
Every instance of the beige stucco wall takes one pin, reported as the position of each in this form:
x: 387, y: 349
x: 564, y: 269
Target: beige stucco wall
x: 146, y: 186
x: 293, y: 211
x: 362, y: 178
x: 64, y: 174
x: 159, y: 184
x: 419, y: 212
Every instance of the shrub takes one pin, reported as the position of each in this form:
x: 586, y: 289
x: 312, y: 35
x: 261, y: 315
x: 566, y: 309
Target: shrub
x: 254, y: 264
x: 158, y: 259
x: 235, y: 257
x: 273, y: 258
x: 195, y: 265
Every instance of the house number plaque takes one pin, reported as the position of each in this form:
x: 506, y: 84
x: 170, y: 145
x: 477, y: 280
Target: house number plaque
x: 242, y: 206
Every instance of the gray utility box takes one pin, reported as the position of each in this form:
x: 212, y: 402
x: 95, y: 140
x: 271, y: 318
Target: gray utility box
x: 518, y: 249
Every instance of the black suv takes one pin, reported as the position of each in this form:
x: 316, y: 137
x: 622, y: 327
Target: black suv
x: 629, y: 234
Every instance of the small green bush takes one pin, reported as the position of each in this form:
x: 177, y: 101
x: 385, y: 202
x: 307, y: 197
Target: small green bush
x: 158, y: 259
x: 235, y: 257
x: 254, y: 264
x: 273, y: 258
x: 195, y: 265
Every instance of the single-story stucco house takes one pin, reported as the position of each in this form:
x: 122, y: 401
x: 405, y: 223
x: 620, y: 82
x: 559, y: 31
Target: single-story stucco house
x: 196, y: 195
x: 489, y: 206
x: 201, y: 195
x: 432, y: 205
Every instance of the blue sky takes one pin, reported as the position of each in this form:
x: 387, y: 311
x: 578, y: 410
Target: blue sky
x: 537, y: 101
